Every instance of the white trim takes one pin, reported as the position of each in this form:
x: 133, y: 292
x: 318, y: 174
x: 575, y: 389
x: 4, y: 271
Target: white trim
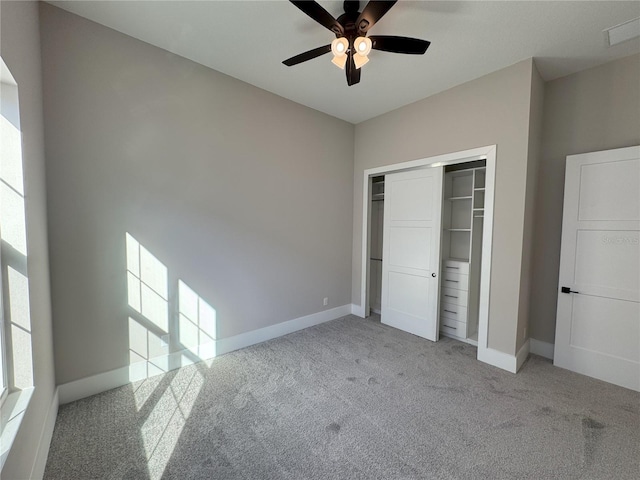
x: 85, y: 387
x: 487, y: 153
x: 522, y: 354
x: 487, y: 252
x: 510, y: 363
x: 446, y: 159
x: 544, y: 349
x: 357, y: 310
x: 230, y: 344
x: 102, y: 382
x: 11, y: 415
x: 45, y: 438
x: 497, y: 359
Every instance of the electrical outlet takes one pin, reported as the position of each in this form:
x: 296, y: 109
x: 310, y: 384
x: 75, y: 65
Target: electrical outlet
x: 164, y: 340
x: 325, y: 302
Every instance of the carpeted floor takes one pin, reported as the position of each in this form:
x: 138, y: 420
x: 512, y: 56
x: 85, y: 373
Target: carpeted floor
x: 352, y: 399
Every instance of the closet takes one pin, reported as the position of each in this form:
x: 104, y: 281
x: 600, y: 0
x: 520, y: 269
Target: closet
x: 451, y: 299
x: 375, y: 260
x: 462, y: 222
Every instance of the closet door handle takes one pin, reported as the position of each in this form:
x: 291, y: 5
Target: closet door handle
x: 433, y: 275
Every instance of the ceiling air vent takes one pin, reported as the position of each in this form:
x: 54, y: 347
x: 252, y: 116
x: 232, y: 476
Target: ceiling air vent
x: 623, y: 32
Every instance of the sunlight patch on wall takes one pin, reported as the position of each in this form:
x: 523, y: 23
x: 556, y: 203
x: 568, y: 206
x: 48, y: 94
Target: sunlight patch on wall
x: 147, y: 284
x: 197, y: 322
x: 148, y: 354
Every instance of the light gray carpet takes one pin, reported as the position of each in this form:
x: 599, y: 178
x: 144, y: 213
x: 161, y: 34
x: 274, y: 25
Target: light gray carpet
x: 352, y: 399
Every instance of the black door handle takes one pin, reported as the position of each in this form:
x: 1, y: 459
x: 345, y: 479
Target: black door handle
x: 567, y: 290
x: 433, y: 275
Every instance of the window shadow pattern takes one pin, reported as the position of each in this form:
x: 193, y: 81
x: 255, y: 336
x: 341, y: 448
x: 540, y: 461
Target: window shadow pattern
x: 169, y: 326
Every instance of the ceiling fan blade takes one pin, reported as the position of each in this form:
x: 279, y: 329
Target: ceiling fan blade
x: 311, y: 54
x: 320, y: 15
x: 373, y: 12
x: 412, y: 46
x: 353, y: 73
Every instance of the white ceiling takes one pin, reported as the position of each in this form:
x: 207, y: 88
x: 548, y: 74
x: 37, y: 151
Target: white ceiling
x: 249, y: 39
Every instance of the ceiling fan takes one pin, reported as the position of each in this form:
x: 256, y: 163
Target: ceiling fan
x: 351, y: 46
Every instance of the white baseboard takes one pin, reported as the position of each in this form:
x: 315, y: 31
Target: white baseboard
x: 102, y: 382
x: 357, y: 310
x: 497, y: 359
x: 544, y: 349
x: 522, y: 354
x: 510, y: 363
x: 230, y: 344
x: 40, y: 463
x: 85, y: 387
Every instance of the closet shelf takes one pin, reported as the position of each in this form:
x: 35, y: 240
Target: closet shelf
x: 479, y: 209
x: 458, y: 229
x: 453, y: 199
x: 479, y: 189
x: 458, y: 259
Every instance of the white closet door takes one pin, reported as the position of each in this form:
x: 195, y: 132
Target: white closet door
x: 598, y: 317
x: 411, y: 251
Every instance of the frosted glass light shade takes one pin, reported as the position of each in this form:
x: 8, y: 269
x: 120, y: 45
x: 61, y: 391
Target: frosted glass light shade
x: 360, y: 60
x: 339, y: 49
x: 362, y: 46
x: 339, y: 62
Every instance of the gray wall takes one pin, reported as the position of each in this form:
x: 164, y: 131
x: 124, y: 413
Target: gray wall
x: 535, y: 139
x: 597, y: 109
x: 20, y: 49
x: 493, y: 109
x: 243, y: 195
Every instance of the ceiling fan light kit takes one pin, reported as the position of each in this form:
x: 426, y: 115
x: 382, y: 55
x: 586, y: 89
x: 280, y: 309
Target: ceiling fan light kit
x: 351, y: 47
x: 363, y: 46
x: 339, y: 48
x: 360, y: 60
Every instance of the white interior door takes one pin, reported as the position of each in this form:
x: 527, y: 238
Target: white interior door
x: 411, y: 251
x: 598, y: 317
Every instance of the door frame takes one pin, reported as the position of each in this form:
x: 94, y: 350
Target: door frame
x: 487, y: 153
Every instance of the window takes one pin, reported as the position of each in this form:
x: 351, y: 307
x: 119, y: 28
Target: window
x: 15, y: 327
x: 3, y: 377
x: 16, y: 359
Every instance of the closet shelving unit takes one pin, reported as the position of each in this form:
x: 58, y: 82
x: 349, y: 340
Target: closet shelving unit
x: 462, y: 221
x: 375, y: 261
